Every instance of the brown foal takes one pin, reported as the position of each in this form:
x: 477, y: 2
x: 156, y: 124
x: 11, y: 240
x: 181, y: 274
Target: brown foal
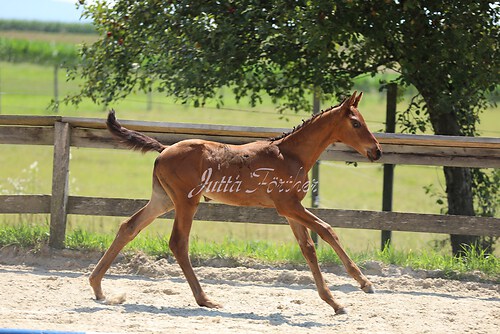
x: 268, y: 173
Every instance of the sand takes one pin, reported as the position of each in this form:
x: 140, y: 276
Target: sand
x: 49, y: 290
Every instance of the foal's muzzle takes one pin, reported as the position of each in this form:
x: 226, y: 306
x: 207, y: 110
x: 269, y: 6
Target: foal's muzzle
x: 374, y: 154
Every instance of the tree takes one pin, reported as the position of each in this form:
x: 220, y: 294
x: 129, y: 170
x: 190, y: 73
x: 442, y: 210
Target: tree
x: 448, y: 50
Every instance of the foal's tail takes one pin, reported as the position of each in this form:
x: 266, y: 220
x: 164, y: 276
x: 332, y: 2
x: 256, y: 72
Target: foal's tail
x: 133, y: 139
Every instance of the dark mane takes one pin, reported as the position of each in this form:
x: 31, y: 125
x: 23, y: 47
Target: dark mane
x: 304, y: 122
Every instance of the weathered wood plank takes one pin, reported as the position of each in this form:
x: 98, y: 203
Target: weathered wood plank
x: 411, y: 222
x: 29, y: 120
x: 184, y: 128
x: 100, y: 138
x: 395, y: 221
x: 122, y: 207
x: 421, y: 155
x: 437, y: 140
x: 393, y: 154
x: 60, y: 173
x: 442, y: 150
x: 24, y: 204
x: 26, y: 135
x: 430, y: 160
x: 95, y: 206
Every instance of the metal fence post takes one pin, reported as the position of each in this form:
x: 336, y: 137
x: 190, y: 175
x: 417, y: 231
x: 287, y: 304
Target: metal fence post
x: 388, y: 183
x: 60, y: 172
x: 315, y: 169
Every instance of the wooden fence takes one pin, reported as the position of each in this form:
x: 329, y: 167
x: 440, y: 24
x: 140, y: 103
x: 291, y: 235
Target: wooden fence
x: 64, y: 132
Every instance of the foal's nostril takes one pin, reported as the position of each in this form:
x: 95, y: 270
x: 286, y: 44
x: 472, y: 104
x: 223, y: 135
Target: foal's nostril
x: 378, y: 154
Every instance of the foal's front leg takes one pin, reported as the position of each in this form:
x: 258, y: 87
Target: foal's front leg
x: 307, y: 247
x: 300, y: 214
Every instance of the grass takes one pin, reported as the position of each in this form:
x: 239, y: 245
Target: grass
x: 451, y: 267
x: 33, y: 236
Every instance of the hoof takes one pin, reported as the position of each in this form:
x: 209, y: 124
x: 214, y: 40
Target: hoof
x: 340, y: 311
x: 368, y: 288
x: 210, y: 304
x: 100, y: 297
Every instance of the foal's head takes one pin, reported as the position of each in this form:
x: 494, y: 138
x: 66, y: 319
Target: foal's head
x: 352, y: 130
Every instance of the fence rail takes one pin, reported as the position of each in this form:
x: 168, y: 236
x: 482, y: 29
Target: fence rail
x: 64, y: 132
x: 375, y: 220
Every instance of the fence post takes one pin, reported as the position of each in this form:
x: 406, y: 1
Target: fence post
x: 59, y: 198
x: 390, y: 127
x: 315, y: 169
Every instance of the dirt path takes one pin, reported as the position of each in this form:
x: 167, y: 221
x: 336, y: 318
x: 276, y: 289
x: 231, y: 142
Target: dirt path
x: 50, y: 291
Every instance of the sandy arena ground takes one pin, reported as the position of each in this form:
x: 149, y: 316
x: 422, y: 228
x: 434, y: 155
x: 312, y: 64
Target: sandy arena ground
x: 50, y: 291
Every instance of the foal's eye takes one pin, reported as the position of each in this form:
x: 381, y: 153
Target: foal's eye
x: 356, y: 124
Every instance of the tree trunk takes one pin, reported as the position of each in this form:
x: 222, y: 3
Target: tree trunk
x: 458, y: 179
x: 460, y: 202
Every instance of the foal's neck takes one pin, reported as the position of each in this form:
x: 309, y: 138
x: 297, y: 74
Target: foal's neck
x: 312, y: 138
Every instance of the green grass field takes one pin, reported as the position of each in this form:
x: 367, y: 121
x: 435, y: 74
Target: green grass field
x: 28, y: 89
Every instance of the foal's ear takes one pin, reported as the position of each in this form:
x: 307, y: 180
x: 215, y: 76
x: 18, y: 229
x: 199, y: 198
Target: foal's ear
x: 357, y: 99
x: 347, y: 103
x: 352, y: 99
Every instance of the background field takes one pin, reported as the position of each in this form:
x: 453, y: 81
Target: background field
x: 28, y: 89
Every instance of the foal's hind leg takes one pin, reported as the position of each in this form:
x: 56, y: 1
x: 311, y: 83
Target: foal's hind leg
x: 159, y: 204
x: 179, y: 244
x: 307, y: 247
